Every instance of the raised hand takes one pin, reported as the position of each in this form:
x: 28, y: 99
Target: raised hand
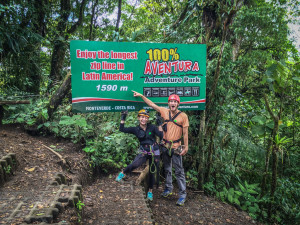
x: 159, y: 120
x: 136, y: 94
x: 124, y: 114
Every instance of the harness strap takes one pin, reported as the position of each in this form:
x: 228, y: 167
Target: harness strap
x: 171, y: 119
x: 152, y: 162
x: 171, y: 141
x: 151, y: 152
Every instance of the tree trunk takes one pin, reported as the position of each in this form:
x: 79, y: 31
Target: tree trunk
x: 274, y: 172
x: 92, y: 20
x: 57, y: 62
x: 236, y: 153
x: 201, y: 153
x: 39, y: 17
x: 60, y: 45
x: 274, y: 149
x: 211, y: 97
x: 265, y: 175
x: 210, y: 151
x: 235, y: 49
x: 59, y: 95
x: 1, y: 114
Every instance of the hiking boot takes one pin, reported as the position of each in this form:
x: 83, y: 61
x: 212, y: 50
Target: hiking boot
x: 120, y: 177
x: 150, y: 196
x: 180, y: 202
x: 166, y: 193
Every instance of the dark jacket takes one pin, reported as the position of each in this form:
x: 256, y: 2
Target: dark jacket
x: 145, y: 137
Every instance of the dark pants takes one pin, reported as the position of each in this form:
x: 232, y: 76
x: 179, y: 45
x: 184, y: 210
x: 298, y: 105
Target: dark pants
x: 153, y: 166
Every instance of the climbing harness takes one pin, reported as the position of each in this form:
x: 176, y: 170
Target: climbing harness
x: 172, y: 119
x: 152, y: 162
x: 152, y: 153
x: 169, y: 144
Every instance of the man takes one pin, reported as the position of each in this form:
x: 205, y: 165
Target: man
x: 176, y: 124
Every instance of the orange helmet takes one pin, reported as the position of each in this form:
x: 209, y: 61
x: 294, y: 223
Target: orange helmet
x: 174, y: 97
x: 143, y: 112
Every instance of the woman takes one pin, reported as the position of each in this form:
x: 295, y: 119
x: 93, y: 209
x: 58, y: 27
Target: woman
x: 146, y: 133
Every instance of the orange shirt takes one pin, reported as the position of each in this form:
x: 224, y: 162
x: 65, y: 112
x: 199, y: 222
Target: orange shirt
x: 174, y: 132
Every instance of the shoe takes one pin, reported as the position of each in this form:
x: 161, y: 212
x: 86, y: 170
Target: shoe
x: 180, y: 201
x: 150, y: 196
x: 166, y: 193
x: 120, y: 177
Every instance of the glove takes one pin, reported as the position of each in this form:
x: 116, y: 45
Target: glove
x: 159, y: 120
x: 124, y: 114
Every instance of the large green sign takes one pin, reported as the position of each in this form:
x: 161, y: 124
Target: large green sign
x: 105, y: 73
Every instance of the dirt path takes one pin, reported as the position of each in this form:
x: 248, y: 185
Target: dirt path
x: 45, y: 189
x: 198, y: 209
x: 41, y: 187
x: 110, y: 202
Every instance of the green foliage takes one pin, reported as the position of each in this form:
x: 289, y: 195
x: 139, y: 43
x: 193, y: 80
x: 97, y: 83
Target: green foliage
x: 73, y: 127
x: 287, y: 201
x: 191, y: 178
x: 261, y: 126
x: 209, y: 188
x: 7, y: 169
x: 27, y: 114
x: 112, y: 151
x: 243, y: 195
x: 79, y: 205
x: 108, y: 148
x: 19, y: 48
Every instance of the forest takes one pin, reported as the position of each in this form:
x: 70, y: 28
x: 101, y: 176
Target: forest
x: 243, y: 148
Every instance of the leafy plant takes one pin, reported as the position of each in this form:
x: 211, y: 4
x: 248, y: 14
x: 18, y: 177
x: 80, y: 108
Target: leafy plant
x: 244, y: 195
x: 74, y: 127
x: 230, y: 195
x: 7, y: 169
x: 27, y: 114
x: 209, y: 187
x: 113, y: 151
x: 191, y: 178
x: 249, y: 198
x: 280, y: 143
x: 79, y: 205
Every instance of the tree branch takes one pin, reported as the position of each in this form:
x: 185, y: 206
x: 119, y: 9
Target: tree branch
x: 119, y: 15
x: 80, y: 19
x: 269, y: 108
x: 182, y: 15
x: 7, y: 102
